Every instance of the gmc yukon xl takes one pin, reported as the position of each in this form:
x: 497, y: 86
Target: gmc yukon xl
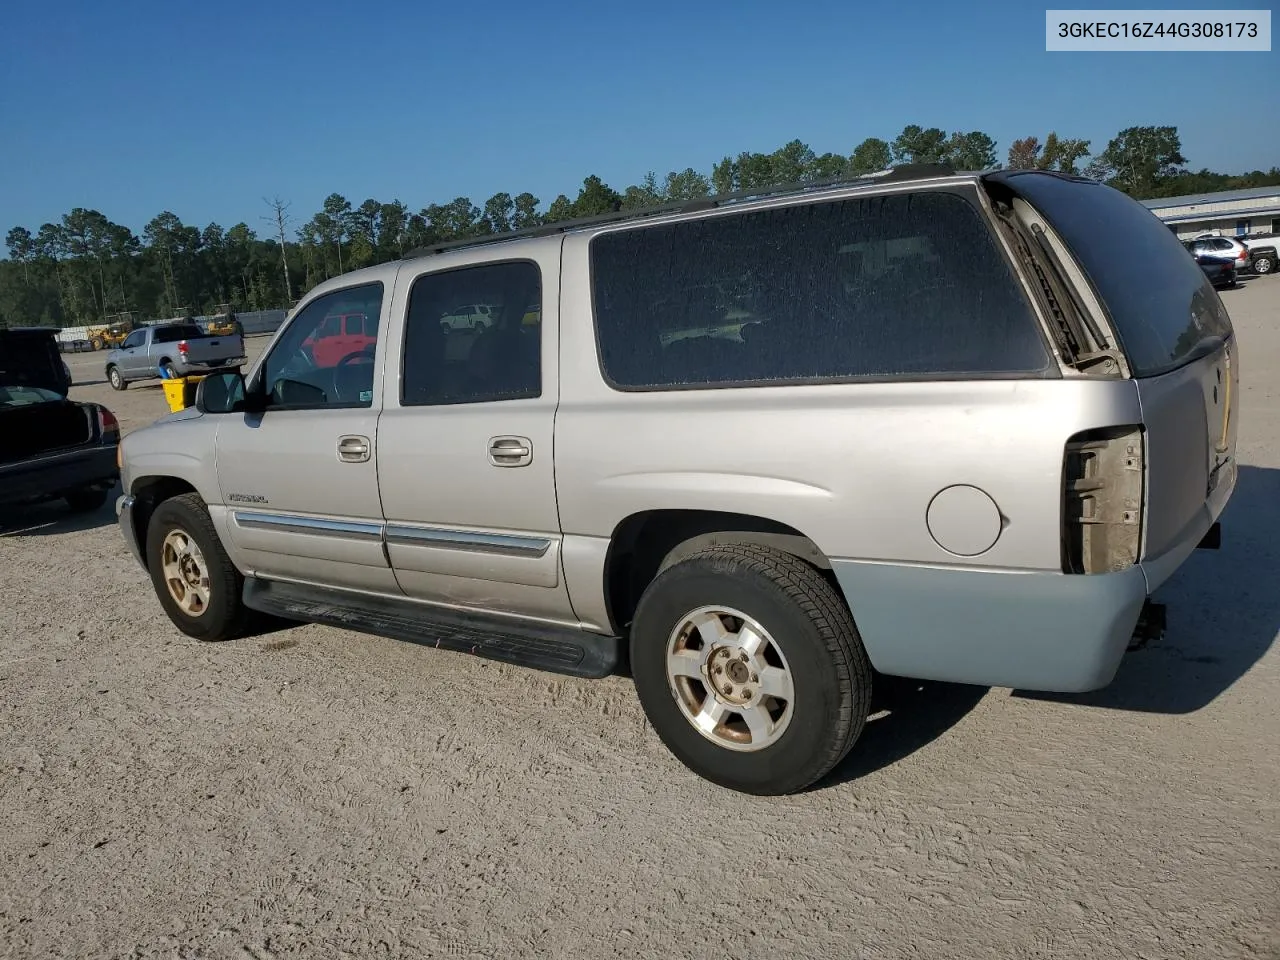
x: 746, y: 450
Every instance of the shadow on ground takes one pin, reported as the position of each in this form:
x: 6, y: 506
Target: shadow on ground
x: 54, y: 517
x: 906, y: 716
x: 1223, y: 613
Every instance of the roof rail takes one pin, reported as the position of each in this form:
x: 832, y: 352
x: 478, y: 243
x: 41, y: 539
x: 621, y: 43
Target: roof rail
x: 910, y: 171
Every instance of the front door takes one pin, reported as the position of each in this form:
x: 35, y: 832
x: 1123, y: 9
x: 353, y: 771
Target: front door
x: 300, y: 481
x: 465, y: 452
x: 132, y: 358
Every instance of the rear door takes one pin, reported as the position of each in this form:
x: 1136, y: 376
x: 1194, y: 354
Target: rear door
x: 465, y: 457
x: 1181, y: 350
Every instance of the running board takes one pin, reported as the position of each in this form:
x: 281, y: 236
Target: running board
x: 563, y: 650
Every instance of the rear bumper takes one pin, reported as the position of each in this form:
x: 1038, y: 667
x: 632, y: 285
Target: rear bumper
x: 1033, y: 630
x: 52, y: 476
x: 124, y: 516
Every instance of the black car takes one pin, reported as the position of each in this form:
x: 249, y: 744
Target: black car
x: 1220, y: 270
x: 53, y: 448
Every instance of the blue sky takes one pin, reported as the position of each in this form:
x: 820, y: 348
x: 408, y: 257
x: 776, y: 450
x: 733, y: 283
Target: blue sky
x: 203, y: 108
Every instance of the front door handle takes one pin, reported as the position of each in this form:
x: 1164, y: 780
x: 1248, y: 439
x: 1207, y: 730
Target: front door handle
x: 353, y: 449
x: 510, y: 451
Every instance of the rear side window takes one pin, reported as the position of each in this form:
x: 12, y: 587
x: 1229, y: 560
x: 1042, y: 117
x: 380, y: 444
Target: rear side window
x: 905, y: 285
x: 175, y: 333
x: 1161, y: 304
x: 451, y: 358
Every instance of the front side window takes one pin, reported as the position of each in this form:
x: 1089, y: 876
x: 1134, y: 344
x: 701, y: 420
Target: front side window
x: 134, y: 339
x: 904, y: 285
x: 453, y: 353
x: 315, y: 364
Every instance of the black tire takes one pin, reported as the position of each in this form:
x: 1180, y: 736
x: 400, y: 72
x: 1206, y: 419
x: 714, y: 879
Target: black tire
x: 830, y: 670
x: 116, y: 379
x: 1264, y: 264
x: 166, y: 367
x: 86, y: 501
x: 225, y: 617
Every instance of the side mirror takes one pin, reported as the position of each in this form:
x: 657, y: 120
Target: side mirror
x: 221, y: 393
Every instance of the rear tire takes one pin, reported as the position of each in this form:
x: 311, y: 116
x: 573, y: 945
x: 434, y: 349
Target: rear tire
x: 194, y: 579
x: 750, y: 619
x: 166, y: 367
x: 1264, y: 264
x: 85, y: 501
x: 116, y: 379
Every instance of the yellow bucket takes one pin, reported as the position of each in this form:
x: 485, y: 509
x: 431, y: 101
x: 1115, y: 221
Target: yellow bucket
x: 180, y: 392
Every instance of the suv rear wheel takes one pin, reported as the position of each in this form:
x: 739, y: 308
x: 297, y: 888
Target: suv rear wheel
x: 749, y: 667
x: 1264, y: 263
x: 198, y: 586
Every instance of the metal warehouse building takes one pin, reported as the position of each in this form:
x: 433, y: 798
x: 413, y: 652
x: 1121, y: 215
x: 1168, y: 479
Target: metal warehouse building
x: 1231, y: 213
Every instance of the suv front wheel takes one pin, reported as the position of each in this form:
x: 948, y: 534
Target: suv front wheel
x: 750, y: 668
x: 198, y: 586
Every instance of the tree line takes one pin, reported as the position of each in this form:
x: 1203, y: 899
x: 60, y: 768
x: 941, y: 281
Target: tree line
x: 87, y: 269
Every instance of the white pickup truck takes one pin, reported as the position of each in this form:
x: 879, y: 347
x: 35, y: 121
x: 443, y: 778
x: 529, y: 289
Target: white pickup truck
x: 172, y: 350
x: 1262, y: 252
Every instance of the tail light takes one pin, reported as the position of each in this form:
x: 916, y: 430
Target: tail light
x: 1243, y: 254
x: 183, y: 347
x: 1104, y: 483
x: 108, y: 425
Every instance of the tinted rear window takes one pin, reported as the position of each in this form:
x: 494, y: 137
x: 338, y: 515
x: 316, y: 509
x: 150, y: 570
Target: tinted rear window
x: 1159, y: 300
x: 889, y: 286
x: 173, y: 334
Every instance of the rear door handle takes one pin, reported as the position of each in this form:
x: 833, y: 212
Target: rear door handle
x: 510, y: 451
x: 353, y: 449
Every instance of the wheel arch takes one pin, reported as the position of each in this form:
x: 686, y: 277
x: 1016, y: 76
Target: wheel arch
x: 148, y: 493
x: 646, y: 542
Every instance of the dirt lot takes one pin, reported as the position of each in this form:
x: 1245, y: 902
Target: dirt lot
x: 315, y: 793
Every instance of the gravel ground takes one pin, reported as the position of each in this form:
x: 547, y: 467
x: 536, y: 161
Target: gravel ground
x: 315, y: 793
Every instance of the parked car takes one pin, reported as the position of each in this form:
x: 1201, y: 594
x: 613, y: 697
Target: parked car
x: 54, y: 448
x: 1227, y: 248
x: 342, y: 335
x: 979, y: 476
x: 171, y: 350
x: 1262, y: 253
x: 1221, y: 271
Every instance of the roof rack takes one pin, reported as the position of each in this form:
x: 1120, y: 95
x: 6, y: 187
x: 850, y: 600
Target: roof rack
x: 910, y: 171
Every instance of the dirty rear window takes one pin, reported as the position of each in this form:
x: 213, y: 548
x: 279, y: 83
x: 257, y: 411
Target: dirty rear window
x: 1159, y: 300
x: 904, y: 285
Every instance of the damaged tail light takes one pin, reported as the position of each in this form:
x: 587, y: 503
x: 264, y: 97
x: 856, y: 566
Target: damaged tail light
x: 1104, y: 483
x: 108, y: 425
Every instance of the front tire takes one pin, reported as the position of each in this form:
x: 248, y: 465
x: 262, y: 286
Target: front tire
x: 196, y: 582
x: 750, y: 668
x: 116, y: 379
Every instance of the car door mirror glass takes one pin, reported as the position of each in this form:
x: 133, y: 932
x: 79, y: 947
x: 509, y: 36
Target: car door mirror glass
x: 221, y: 393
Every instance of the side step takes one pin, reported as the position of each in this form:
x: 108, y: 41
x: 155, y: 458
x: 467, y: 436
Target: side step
x: 543, y: 647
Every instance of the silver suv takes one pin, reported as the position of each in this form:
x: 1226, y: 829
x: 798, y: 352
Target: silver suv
x: 743, y: 448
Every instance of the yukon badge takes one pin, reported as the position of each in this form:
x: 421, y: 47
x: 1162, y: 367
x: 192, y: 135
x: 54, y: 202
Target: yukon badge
x: 246, y: 498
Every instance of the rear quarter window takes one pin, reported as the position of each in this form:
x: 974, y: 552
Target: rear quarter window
x: 1163, y: 308
x: 903, y: 285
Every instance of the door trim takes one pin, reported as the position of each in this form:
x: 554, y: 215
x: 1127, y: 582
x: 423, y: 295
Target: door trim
x: 287, y: 523
x: 509, y: 545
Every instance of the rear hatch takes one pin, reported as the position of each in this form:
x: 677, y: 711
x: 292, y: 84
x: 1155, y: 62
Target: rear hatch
x: 35, y: 416
x: 1179, y: 344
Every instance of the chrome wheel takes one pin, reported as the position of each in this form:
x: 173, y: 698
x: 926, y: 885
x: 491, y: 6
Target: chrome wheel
x: 185, y: 573
x: 730, y: 678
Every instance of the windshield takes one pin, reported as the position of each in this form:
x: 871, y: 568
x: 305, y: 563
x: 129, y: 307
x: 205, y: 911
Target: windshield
x: 21, y: 396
